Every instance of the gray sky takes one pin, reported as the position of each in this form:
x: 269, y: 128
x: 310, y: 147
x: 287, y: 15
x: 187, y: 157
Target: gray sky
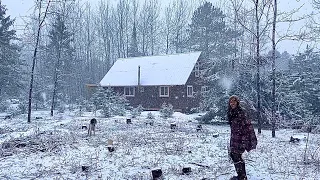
x: 20, y: 8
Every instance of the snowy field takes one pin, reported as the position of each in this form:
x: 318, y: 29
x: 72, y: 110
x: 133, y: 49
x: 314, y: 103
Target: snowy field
x: 58, y: 148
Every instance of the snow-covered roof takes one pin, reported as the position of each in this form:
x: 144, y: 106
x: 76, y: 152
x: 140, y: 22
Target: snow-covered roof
x: 154, y: 70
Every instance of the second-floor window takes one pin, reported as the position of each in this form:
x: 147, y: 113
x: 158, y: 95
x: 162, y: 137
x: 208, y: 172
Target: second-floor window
x: 129, y: 91
x: 204, y: 89
x: 164, y: 91
x: 197, y: 70
x: 189, y: 91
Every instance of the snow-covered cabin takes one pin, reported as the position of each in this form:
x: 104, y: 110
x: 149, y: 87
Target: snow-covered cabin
x: 153, y: 80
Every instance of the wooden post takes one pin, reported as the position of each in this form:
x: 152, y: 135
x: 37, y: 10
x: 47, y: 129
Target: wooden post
x: 110, y: 145
x: 129, y: 121
x: 215, y: 135
x: 199, y: 127
x: 186, y: 170
x: 156, y: 173
x: 173, y: 126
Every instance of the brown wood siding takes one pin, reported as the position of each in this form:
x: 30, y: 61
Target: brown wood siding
x: 150, y: 98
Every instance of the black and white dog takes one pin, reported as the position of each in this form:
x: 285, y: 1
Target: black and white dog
x: 92, y: 127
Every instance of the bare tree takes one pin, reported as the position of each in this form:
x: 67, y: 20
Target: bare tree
x: 285, y: 17
x: 168, y: 30
x: 104, y: 33
x: 261, y: 10
x: 133, y: 50
x: 181, y: 15
x: 41, y: 18
x: 275, y: 5
x: 149, y: 26
x: 122, y: 17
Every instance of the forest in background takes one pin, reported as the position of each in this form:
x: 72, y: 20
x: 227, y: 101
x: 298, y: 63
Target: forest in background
x: 67, y: 44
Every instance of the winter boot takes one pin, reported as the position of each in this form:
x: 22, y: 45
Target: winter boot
x: 241, y: 170
x: 238, y: 178
x: 234, y: 178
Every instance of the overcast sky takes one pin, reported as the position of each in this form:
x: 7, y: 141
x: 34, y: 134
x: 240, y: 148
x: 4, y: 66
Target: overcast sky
x: 20, y: 8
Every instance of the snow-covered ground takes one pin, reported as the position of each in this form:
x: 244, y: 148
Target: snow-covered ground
x: 58, y: 148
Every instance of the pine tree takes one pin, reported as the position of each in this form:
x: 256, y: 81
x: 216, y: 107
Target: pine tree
x: 209, y: 33
x: 11, y: 81
x: 62, y: 53
x: 300, y: 90
x: 133, y: 49
x: 109, y: 102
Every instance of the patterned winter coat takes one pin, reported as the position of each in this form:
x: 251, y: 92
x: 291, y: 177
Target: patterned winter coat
x: 243, y: 136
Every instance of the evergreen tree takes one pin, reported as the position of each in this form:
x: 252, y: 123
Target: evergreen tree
x: 209, y: 33
x: 11, y: 70
x: 109, y: 102
x: 62, y: 65
x: 300, y: 90
x: 133, y: 49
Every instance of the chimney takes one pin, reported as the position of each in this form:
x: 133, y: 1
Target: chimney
x: 139, y: 78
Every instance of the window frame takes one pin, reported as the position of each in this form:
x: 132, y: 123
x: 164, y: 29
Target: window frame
x: 204, y: 89
x: 164, y: 95
x: 197, y: 72
x: 190, y: 95
x: 129, y: 89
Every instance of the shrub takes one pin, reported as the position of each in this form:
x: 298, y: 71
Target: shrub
x: 206, y: 118
x: 109, y: 102
x: 150, y: 115
x: 137, y: 111
x: 166, y: 110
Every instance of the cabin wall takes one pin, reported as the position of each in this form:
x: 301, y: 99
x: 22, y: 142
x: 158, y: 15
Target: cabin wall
x: 150, y: 98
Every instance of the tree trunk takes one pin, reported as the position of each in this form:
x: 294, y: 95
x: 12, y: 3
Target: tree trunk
x: 258, y: 65
x: 55, y: 81
x: 34, y: 58
x: 274, y: 69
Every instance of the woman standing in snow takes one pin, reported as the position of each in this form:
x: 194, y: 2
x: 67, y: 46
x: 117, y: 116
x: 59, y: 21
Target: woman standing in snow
x: 242, y: 136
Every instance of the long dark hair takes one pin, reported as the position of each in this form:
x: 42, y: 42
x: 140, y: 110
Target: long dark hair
x: 229, y: 112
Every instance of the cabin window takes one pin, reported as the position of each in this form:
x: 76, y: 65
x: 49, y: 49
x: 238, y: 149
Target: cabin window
x: 129, y: 91
x: 189, y: 91
x: 164, y: 91
x: 197, y: 70
x: 204, y: 89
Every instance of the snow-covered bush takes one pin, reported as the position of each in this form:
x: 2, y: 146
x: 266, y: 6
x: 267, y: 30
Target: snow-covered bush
x: 61, y: 108
x: 23, y: 107
x: 13, y: 109
x: 11, y: 106
x: 109, y: 102
x: 3, y: 106
x: 60, y: 105
x: 166, y: 110
x: 150, y: 115
x: 316, y: 129
x: 194, y: 110
x: 87, y: 105
x: 206, y: 118
x: 81, y: 106
x: 137, y: 111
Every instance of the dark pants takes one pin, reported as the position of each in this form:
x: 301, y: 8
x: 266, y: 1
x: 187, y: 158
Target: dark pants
x: 239, y: 165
